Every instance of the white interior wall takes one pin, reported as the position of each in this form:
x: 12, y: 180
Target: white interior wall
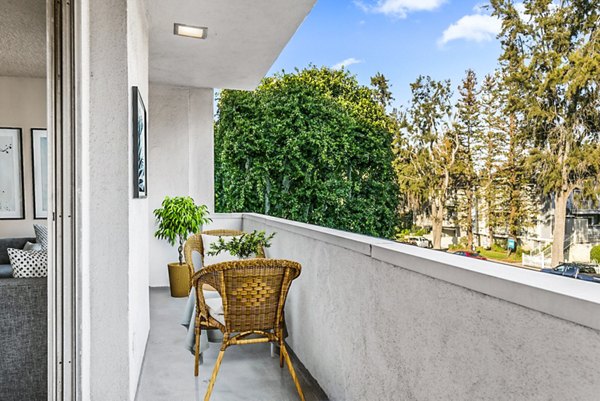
x: 180, y: 159
x: 114, y: 226
x: 139, y: 302
x: 23, y: 105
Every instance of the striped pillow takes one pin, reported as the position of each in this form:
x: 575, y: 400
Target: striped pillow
x: 41, y: 235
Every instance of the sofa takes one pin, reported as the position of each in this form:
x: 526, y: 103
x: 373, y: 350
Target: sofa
x: 23, y: 332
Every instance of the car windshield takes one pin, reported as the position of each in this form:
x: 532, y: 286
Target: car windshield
x: 560, y: 268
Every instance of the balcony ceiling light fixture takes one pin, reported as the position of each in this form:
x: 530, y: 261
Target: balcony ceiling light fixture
x: 196, y: 32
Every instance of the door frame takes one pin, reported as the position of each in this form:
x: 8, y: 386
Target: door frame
x: 64, y: 367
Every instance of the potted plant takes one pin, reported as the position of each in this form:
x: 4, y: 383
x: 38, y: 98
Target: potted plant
x: 244, y: 246
x: 177, y: 219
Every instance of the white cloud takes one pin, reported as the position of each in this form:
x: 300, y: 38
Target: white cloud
x: 475, y: 28
x: 345, y: 63
x: 399, y: 8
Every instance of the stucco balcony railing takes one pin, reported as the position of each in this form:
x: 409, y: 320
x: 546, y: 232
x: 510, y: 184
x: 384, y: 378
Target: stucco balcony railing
x: 373, y: 319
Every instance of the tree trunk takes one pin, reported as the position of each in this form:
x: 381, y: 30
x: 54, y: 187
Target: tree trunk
x: 558, y: 234
x: 469, y: 219
x: 490, y: 234
x: 437, y: 221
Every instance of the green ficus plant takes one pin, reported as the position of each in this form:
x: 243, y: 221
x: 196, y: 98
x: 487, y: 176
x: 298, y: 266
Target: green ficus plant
x: 243, y: 246
x: 178, y: 218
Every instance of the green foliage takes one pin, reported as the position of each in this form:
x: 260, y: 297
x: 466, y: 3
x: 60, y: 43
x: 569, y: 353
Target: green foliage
x: 414, y: 231
x: 552, y: 68
x: 595, y: 254
x: 246, y: 245
x: 177, y: 218
x: 426, y: 151
x: 381, y: 89
x: 469, y: 132
x: 311, y: 146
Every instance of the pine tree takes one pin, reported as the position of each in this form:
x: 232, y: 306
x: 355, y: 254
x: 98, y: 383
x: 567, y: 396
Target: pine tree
x: 552, y: 61
x: 468, y: 131
x: 382, y: 93
x: 491, y: 148
x: 426, y: 158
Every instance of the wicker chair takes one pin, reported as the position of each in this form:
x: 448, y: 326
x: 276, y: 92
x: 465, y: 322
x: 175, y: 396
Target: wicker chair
x: 194, y: 243
x: 253, y: 293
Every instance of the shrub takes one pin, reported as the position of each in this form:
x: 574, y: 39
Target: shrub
x: 595, y: 254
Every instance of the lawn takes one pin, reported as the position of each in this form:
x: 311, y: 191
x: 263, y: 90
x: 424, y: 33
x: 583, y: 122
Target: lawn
x: 499, y: 254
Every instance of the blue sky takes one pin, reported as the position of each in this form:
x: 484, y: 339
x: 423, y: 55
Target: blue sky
x: 399, y: 38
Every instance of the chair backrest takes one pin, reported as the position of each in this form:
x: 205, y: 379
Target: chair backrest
x: 194, y: 243
x: 253, y: 291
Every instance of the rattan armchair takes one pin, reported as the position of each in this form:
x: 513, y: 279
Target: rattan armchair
x: 253, y: 294
x: 194, y: 244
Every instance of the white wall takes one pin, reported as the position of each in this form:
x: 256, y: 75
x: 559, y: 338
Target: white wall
x: 114, y: 226
x: 139, y: 302
x: 23, y: 105
x: 180, y: 159
x: 376, y: 320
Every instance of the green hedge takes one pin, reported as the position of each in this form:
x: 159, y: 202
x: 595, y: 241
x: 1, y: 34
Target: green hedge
x: 311, y: 146
x: 595, y: 254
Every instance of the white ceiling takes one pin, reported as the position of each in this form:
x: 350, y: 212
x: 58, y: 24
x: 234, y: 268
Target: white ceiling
x: 23, y: 38
x: 244, y: 39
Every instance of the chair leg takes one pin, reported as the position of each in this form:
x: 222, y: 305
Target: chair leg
x: 281, y: 354
x: 211, y: 383
x: 285, y: 354
x: 196, y: 349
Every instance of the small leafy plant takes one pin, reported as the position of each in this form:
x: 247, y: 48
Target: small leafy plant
x: 243, y: 246
x: 178, y: 218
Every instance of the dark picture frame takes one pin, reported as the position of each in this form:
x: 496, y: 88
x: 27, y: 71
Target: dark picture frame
x: 18, y: 187
x: 140, y: 145
x: 39, y: 172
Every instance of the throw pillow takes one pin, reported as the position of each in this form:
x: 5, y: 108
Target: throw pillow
x: 223, y: 256
x: 28, y: 263
x: 32, y: 247
x: 41, y: 235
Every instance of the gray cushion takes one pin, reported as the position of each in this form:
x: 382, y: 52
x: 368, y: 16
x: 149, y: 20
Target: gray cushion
x: 6, y: 271
x: 32, y: 247
x: 16, y: 243
x: 215, y: 309
x: 23, y: 339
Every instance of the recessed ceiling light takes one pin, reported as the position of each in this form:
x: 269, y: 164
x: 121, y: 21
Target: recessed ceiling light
x: 197, y: 32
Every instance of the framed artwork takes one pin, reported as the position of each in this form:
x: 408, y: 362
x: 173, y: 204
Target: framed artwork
x: 140, y: 140
x: 39, y: 144
x: 12, y: 198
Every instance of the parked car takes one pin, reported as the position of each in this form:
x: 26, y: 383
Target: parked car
x: 468, y: 254
x: 419, y: 241
x: 579, y: 271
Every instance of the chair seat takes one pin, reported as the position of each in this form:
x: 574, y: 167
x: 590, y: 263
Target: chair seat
x: 215, y: 308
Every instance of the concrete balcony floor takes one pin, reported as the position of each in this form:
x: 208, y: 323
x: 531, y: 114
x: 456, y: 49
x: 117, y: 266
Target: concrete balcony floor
x: 247, y: 372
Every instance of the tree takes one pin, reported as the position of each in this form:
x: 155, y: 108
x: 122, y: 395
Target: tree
x: 381, y: 90
x: 426, y: 158
x: 551, y: 51
x: 312, y: 146
x: 491, y: 147
x: 468, y: 132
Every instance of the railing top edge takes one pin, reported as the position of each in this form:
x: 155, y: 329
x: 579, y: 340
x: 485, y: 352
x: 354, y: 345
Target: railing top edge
x: 510, y: 283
